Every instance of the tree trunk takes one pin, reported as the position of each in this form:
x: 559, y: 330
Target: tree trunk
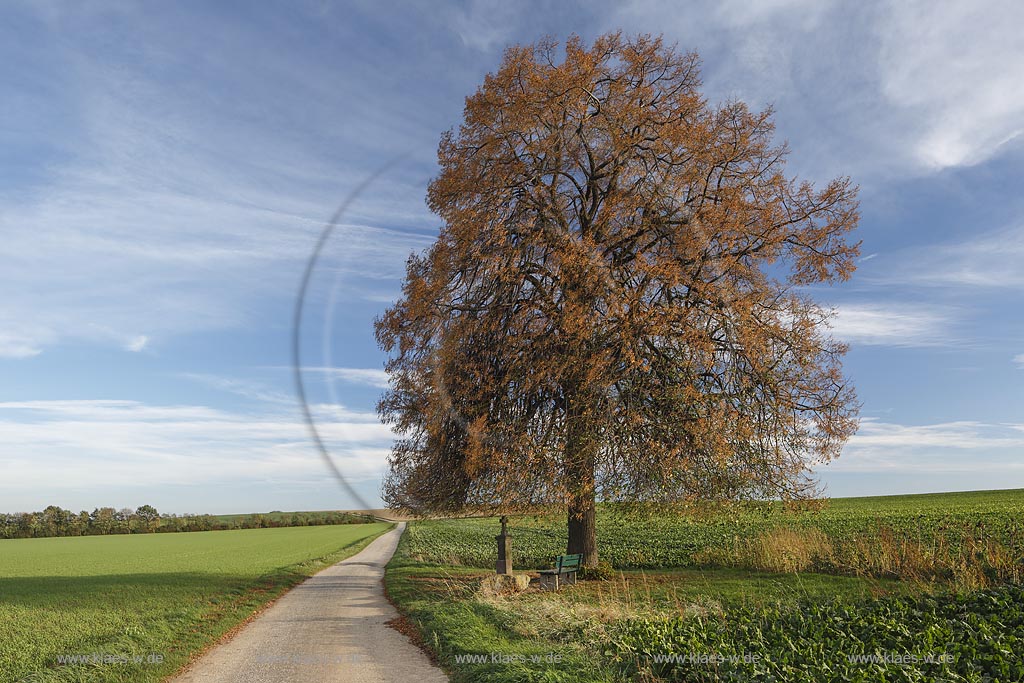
x: 583, y: 531
x: 580, y: 467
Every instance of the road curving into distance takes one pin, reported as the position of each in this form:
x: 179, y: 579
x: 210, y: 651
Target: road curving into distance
x: 331, y: 627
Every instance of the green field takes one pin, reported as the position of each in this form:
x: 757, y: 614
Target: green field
x: 973, y: 538
x: 156, y: 596
x: 805, y: 590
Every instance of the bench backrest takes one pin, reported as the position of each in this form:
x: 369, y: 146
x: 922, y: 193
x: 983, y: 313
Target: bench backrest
x: 569, y: 562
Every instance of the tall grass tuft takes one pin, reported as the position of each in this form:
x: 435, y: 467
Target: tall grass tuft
x: 966, y: 563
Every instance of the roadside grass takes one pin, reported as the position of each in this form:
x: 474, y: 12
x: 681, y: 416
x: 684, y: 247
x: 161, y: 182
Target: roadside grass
x: 158, y: 597
x: 561, y: 636
x: 453, y: 625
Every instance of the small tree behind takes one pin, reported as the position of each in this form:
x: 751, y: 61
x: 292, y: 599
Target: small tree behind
x: 612, y: 309
x: 148, y: 516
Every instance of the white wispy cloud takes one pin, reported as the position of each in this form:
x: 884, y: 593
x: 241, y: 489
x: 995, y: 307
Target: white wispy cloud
x: 886, y: 324
x: 174, y: 207
x: 881, y: 446
x: 18, y: 346
x: 110, y: 444
x: 485, y: 25
x: 874, y: 89
x: 242, y: 387
x: 137, y: 343
x: 989, y: 260
x: 1019, y: 360
x: 84, y: 276
x: 964, y: 435
x: 954, y: 67
x: 366, y: 376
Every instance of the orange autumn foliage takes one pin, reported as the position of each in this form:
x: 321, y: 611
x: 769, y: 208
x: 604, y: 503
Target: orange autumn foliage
x: 615, y: 307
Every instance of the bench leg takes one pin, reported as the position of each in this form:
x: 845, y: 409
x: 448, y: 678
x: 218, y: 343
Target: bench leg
x: 556, y: 581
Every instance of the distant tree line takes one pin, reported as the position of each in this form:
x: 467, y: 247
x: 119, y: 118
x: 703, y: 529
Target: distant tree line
x: 56, y: 521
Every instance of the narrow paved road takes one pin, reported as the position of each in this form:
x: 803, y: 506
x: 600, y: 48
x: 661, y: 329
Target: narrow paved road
x: 331, y: 627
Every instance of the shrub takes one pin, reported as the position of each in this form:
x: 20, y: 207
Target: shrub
x: 602, y: 572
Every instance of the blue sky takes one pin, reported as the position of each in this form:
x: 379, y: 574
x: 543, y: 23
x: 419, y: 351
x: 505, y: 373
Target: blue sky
x: 166, y: 168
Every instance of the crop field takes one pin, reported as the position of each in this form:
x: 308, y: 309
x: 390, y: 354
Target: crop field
x: 142, y: 604
x: 973, y: 637
x: 973, y: 538
x: 902, y: 588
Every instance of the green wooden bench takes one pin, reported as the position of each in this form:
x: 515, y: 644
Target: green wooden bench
x: 565, y: 565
